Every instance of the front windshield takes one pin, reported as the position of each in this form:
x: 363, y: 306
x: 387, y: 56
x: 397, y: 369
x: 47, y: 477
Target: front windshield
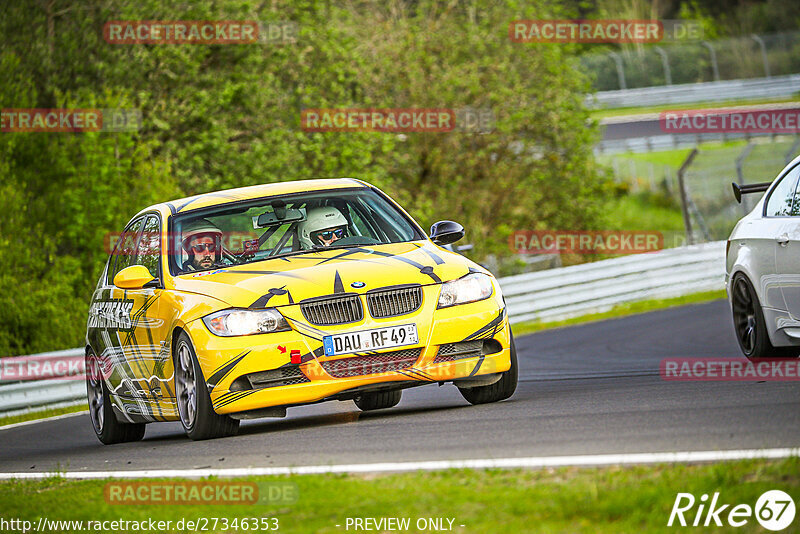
x: 235, y: 234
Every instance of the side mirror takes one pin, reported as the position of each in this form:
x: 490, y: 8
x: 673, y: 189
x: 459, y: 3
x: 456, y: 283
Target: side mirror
x: 446, y: 232
x: 133, y: 277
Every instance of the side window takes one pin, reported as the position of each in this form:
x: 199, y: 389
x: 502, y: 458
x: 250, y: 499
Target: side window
x: 779, y: 203
x: 125, y: 251
x: 149, y: 249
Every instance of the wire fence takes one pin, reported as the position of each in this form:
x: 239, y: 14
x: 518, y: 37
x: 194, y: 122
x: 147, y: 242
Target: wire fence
x: 755, y: 56
x: 709, y: 201
x: 642, y: 175
x: 711, y: 204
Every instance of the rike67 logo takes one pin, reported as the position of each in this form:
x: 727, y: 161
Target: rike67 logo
x: 774, y: 510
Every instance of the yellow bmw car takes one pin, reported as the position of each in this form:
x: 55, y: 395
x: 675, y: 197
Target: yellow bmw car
x: 238, y: 304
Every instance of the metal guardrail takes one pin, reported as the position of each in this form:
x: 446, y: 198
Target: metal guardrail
x: 774, y: 87
x: 543, y: 296
x: 20, y: 394
x: 595, y: 287
x: 655, y: 143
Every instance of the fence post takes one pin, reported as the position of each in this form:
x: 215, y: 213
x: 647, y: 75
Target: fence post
x: 740, y: 173
x: 714, y: 66
x: 620, y: 69
x: 653, y: 186
x: 687, y: 220
x: 761, y: 44
x: 664, y: 63
x: 668, y: 179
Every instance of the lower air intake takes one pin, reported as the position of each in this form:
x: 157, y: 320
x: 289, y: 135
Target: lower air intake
x: 372, y: 364
x: 458, y: 351
x: 285, y: 376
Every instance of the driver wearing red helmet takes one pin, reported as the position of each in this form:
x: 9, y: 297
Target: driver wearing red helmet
x: 202, y: 241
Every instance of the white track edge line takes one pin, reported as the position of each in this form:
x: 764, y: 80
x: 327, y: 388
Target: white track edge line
x: 43, y: 420
x: 593, y: 460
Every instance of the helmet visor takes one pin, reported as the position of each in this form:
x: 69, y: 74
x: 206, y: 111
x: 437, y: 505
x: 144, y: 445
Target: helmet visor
x: 322, y: 236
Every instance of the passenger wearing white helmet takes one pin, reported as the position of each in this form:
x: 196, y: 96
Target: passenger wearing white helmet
x: 202, y: 241
x: 323, y: 226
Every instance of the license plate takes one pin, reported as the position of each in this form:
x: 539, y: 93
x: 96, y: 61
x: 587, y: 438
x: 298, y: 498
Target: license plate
x: 376, y: 339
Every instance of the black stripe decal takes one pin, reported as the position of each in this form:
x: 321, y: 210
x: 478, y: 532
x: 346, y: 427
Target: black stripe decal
x: 263, y: 300
x: 220, y: 374
x: 429, y: 271
x: 494, y: 322
x: 438, y: 259
x: 338, y: 287
x: 477, y: 365
x: 239, y: 395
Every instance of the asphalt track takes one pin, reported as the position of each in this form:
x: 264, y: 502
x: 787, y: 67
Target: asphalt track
x: 588, y: 389
x: 649, y: 125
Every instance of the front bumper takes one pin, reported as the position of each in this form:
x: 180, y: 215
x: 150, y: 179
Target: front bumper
x: 228, y: 361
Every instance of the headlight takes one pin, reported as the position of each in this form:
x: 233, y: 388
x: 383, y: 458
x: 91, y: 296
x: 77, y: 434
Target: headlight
x: 475, y: 286
x: 239, y: 322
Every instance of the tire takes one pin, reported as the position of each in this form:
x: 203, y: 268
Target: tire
x: 197, y: 416
x: 105, y: 424
x: 749, y: 324
x: 378, y: 400
x: 500, y: 390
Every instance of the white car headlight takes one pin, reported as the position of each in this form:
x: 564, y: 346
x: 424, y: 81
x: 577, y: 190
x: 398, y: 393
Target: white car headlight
x: 241, y: 322
x: 470, y: 288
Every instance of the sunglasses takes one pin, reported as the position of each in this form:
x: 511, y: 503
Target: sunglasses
x: 211, y: 247
x: 327, y: 235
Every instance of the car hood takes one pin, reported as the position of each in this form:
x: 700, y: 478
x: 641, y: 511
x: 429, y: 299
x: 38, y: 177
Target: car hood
x: 285, y: 281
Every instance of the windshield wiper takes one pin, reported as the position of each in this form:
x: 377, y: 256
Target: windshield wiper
x: 315, y: 250
x: 320, y: 248
x: 285, y: 254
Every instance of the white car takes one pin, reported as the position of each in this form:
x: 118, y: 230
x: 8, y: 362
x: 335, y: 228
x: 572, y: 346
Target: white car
x: 763, y: 269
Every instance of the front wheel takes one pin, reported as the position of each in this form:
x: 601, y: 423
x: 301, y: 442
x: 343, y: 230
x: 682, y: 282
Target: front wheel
x: 198, y: 417
x: 500, y: 390
x: 378, y: 400
x: 106, y: 427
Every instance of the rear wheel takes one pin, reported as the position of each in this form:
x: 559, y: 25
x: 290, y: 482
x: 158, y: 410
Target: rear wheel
x: 106, y: 427
x: 500, y: 390
x: 198, y: 417
x: 378, y: 400
x: 749, y: 324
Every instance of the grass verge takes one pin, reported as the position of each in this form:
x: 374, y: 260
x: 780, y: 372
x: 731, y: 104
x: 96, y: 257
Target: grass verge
x: 608, y: 499
x: 720, y: 150
x: 42, y: 414
x: 643, y: 211
x: 621, y: 310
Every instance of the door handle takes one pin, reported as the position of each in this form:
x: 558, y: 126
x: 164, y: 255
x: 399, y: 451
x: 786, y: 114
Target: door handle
x: 782, y: 240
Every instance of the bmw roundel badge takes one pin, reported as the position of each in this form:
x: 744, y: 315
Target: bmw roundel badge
x: 358, y: 285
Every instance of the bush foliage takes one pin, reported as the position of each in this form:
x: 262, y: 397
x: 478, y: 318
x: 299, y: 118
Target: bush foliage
x: 222, y: 116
